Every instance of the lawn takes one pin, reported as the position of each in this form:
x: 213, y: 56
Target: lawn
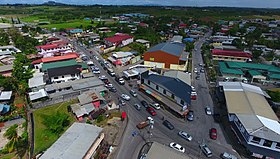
x: 44, y: 139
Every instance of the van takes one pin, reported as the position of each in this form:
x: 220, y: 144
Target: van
x: 204, y: 148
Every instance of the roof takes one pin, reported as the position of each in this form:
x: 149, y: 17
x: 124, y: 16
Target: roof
x: 175, y: 49
x: 142, y: 41
x: 174, y: 85
x: 56, y: 58
x: 158, y: 150
x: 118, y: 38
x: 74, y: 143
x: 89, y: 96
x: 4, y: 108
x: 67, y: 70
x: 79, y: 110
x: 231, y: 53
x: 274, y: 76
x: 185, y: 77
x: 50, y: 65
x: 5, y: 68
x: 248, y: 103
x: 37, y: 95
x: 225, y: 70
x: 5, y: 95
x: 52, y: 45
x: 252, y: 66
x: 36, y: 81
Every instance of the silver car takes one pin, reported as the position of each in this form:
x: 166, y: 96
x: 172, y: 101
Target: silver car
x: 185, y: 135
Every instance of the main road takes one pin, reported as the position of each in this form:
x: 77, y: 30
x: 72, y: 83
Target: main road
x: 199, y: 128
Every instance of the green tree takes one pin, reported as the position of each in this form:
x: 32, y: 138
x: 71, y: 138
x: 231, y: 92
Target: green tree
x: 12, y: 135
x: 56, y: 122
x: 256, y: 53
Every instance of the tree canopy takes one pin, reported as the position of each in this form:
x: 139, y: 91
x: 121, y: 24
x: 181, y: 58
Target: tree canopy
x: 56, y: 122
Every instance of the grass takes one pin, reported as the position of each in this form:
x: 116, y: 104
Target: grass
x: 44, y: 139
x: 8, y: 156
x: 274, y: 89
x: 19, y: 100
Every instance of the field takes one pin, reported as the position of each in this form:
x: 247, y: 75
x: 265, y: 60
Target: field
x: 44, y: 139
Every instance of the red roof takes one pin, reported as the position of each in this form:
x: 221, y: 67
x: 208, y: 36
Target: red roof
x: 56, y: 58
x: 118, y: 38
x: 52, y: 45
x: 231, y: 53
x: 182, y: 25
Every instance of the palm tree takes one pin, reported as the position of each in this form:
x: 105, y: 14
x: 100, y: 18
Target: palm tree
x: 12, y: 135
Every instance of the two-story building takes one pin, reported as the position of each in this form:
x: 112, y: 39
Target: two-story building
x: 64, y: 74
x: 118, y: 40
x: 54, y: 47
x: 167, y: 55
x: 231, y: 55
x: 252, y: 119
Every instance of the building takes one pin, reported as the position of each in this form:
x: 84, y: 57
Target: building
x: 167, y: 55
x: 252, y: 119
x: 5, y: 96
x: 120, y: 58
x: 37, y: 81
x: 80, y: 140
x: 74, y: 30
x: 6, y: 70
x: 170, y: 91
x: 144, y: 42
x: 4, y: 109
x: 64, y: 74
x: 231, y: 55
x: 8, y: 50
x: 37, y: 95
x: 71, y: 62
x: 184, y: 77
x: 177, y: 39
x: 118, y: 40
x: 49, y: 50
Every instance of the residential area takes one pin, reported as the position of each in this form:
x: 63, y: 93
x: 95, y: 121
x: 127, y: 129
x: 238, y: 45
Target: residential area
x: 138, y: 84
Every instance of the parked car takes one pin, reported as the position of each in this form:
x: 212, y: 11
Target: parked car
x: 145, y: 104
x: 177, y: 147
x: 197, y: 77
x: 102, y: 77
x: 110, y: 85
x: 185, y: 135
x: 204, y: 148
x: 155, y: 105
x: 106, y: 81
x: 133, y: 93
x: 125, y: 97
x: 208, y: 110
x: 168, y: 124
x: 113, y: 89
x: 120, y: 80
x: 151, y: 111
x: 226, y: 155
x: 202, y: 70
x: 190, y: 116
x: 121, y: 102
x: 213, y: 133
x: 137, y: 106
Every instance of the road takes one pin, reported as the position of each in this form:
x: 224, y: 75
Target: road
x: 199, y: 128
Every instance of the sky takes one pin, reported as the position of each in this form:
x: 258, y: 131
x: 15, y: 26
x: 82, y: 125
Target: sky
x: 197, y: 3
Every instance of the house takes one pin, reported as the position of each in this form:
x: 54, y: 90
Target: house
x: 5, y: 95
x: 170, y: 91
x: 54, y: 47
x: 144, y: 42
x: 119, y: 40
x: 64, y: 74
x: 80, y: 140
x: 37, y: 95
x: 257, y: 130
x: 4, y: 109
x: 104, y: 30
x: 74, y: 30
x: 167, y: 55
x: 231, y: 55
x: 8, y: 50
x: 120, y: 58
x: 6, y: 70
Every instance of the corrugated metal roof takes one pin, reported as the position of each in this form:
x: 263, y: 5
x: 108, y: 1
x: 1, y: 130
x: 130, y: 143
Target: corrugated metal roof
x: 274, y: 76
x: 185, y: 77
x: 50, y: 65
x: 252, y: 66
x: 225, y: 70
x: 74, y: 143
x: 175, y: 49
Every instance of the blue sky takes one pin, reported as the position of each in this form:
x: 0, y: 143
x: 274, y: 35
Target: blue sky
x: 198, y: 3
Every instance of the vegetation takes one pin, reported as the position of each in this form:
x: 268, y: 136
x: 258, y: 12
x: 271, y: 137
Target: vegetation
x: 275, y: 95
x: 44, y: 137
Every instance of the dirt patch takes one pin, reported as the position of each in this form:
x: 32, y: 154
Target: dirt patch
x: 111, y: 130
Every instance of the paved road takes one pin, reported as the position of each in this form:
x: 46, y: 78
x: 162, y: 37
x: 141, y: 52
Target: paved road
x: 199, y: 128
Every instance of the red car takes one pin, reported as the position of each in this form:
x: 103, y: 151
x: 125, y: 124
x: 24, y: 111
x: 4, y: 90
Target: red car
x: 151, y: 111
x: 213, y: 133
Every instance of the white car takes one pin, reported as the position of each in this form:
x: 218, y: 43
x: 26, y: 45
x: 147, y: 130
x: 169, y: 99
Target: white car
x: 195, y: 70
x: 177, y: 147
x: 125, y: 97
x: 185, y: 135
x: 155, y: 105
x: 208, y: 110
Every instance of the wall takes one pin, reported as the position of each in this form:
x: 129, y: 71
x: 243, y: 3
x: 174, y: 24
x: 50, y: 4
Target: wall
x: 161, y: 57
x: 109, y: 49
x: 65, y: 78
x: 229, y: 58
x: 154, y: 64
x: 127, y: 41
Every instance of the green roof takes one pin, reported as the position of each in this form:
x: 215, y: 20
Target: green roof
x: 274, y: 76
x: 253, y: 66
x: 84, y: 65
x: 47, y: 66
x: 225, y: 70
x: 254, y: 73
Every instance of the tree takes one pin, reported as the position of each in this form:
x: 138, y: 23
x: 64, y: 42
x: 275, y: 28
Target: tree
x: 12, y: 135
x: 256, y: 53
x: 56, y: 122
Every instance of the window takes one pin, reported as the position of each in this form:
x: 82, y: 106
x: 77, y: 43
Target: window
x: 55, y: 78
x: 256, y: 140
x: 164, y: 91
x: 277, y: 145
x: 157, y: 87
x: 149, y: 82
x: 62, y: 76
x: 172, y: 96
x: 182, y: 102
x: 267, y: 143
x: 72, y: 75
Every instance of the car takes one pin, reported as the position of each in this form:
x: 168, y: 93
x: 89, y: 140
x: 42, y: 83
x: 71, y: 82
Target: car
x: 197, y: 77
x: 113, y: 89
x: 121, y: 102
x: 102, y: 77
x: 208, y: 110
x: 137, y: 106
x: 198, y: 73
x: 110, y: 85
x: 155, y: 105
x: 195, y: 70
x: 213, y: 133
x: 125, y: 97
x: 226, y: 155
x: 96, y: 72
x: 145, y: 104
x: 177, y: 147
x: 106, y: 81
x: 202, y: 70
x: 185, y: 135
x: 168, y: 124
x: 190, y: 116
x: 120, y: 80
x: 90, y: 63
x: 133, y: 93
x: 151, y: 111
x: 96, y: 57
x: 204, y: 148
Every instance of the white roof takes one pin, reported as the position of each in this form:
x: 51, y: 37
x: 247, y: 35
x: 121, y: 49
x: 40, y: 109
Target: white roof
x: 142, y: 41
x: 74, y: 143
x: 37, y: 80
x: 121, y: 54
x: 6, y: 95
x: 37, y: 95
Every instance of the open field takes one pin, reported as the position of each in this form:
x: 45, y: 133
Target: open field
x: 44, y: 139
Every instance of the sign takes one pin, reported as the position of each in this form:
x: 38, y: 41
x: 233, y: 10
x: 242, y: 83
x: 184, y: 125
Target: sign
x: 152, y: 59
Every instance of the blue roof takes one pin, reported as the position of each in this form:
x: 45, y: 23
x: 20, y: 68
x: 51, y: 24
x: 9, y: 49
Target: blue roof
x: 188, y: 39
x: 4, y: 108
x: 175, y: 49
x: 174, y: 85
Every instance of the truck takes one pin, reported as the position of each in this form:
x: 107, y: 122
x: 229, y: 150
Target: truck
x: 146, y: 123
